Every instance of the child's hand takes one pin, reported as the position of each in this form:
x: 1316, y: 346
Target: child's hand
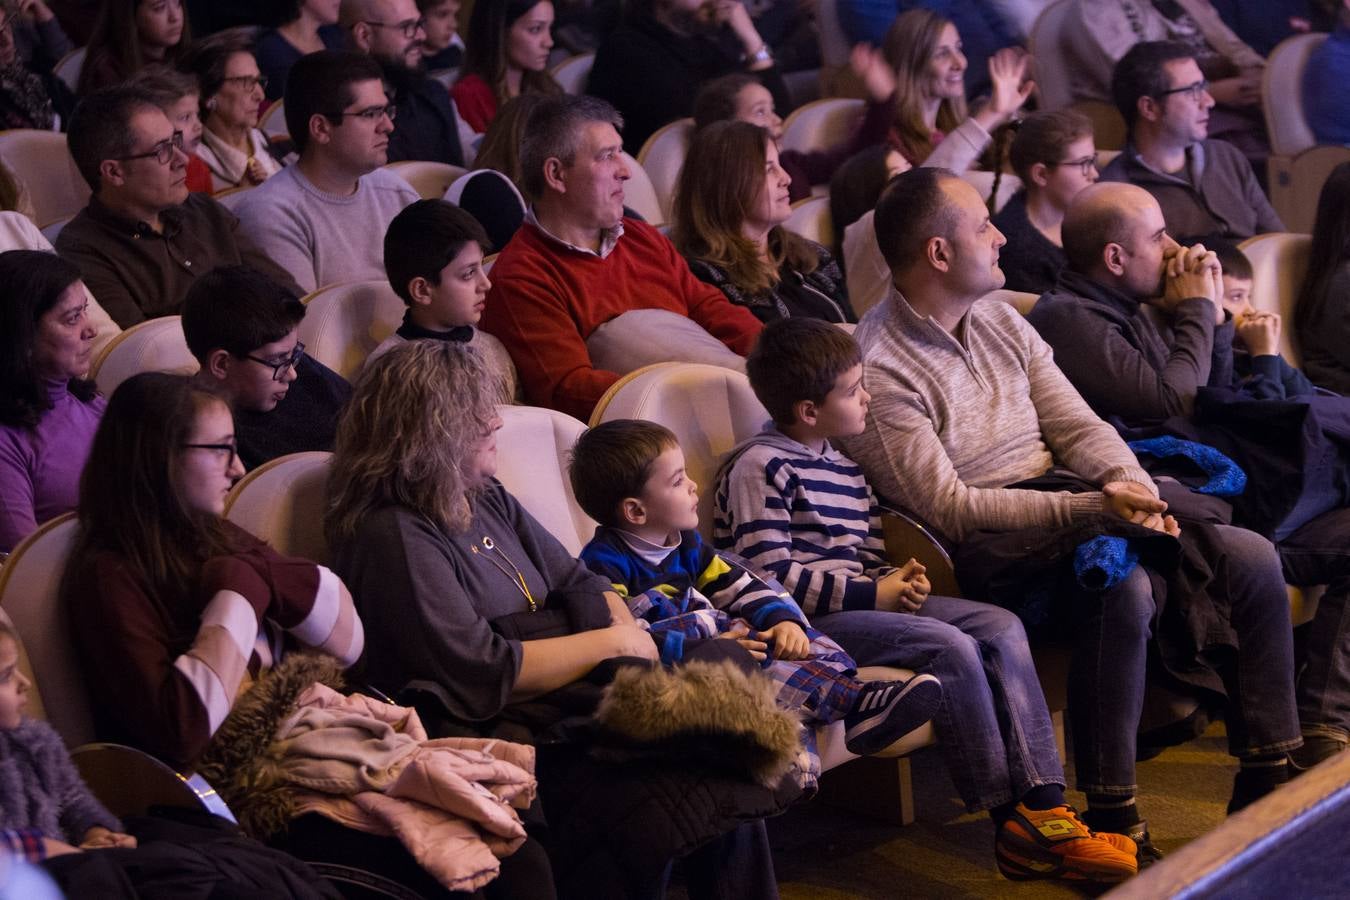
x: 53, y: 847
x: 99, y: 837
x: 740, y: 633
x: 789, y: 641
x: 905, y: 589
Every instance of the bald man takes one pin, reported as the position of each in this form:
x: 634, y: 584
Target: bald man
x: 1137, y: 323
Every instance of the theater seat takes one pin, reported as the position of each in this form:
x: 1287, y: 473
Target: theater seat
x: 68, y: 67
x: 811, y: 219
x: 429, y: 178
x: 155, y: 345
x: 1279, y: 263
x: 661, y: 157
x: 344, y: 322
x: 821, y: 124
x: 1022, y: 301
x: 1053, y: 63
x: 273, y: 121
x: 1287, y: 126
x: 533, y: 449
x: 574, y: 72
x: 43, y: 163
x: 282, y: 501
x: 639, y: 194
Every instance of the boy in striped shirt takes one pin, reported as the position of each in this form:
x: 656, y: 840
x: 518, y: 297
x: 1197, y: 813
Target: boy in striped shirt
x: 799, y: 510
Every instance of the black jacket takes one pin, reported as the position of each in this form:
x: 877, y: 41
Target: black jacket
x: 426, y: 127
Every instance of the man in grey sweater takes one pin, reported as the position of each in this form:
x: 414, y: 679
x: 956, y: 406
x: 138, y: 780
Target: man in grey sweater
x: 967, y: 403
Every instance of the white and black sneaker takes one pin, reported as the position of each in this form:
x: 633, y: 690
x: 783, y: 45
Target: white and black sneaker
x: 888, y: 710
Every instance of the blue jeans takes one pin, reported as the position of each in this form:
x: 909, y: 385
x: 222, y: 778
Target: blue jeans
x: 995, y: 729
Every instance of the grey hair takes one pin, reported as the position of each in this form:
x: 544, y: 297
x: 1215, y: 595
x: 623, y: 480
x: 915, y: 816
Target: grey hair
x: 553, y: 131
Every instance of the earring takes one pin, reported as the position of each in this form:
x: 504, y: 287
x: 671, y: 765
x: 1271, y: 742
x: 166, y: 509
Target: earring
x: 212, y: 103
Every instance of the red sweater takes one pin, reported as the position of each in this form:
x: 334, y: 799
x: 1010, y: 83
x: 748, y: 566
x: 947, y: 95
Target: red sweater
x: 546, y: 299
x: 475, y: 102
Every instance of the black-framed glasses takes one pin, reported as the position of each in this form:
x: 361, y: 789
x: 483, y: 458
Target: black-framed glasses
x: 1195, y: 89
x: 1084, y: 165
x: 231, y: 449
x: 409, y: 27
x: 279, y: 368
x: 371, y: 113
x: 161, y: 152
x: 249, y: 82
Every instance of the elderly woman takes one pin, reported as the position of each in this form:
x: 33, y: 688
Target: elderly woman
x: 233, y: 148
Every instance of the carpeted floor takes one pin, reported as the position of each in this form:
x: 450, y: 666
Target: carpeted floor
x: 823, y: 853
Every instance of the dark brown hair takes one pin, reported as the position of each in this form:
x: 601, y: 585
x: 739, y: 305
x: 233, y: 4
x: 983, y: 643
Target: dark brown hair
x: 798, y: 359
x: 612, y: 462
x: 116, y: 38
x: 485, y: 53
x: 1043, y: 137
x: 1330, y: 248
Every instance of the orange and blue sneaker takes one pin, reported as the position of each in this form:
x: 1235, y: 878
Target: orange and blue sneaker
x: 1054, y: 843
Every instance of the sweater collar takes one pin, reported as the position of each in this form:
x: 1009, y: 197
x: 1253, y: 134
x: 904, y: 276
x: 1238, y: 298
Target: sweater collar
x: 1189, y: 176
x: 651, y: 553
x: 411, y: 331
x: 57, y: 389
x: 907, y: 319
x: 1071, y: 282
x: 609, y: 238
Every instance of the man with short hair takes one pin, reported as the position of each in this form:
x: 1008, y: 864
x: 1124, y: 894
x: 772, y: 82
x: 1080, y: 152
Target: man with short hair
x: 391, y: 32
x: 143, y: 239
x: 576, y: 271
x: 974, y: 428
x: 243, y: 329
x: 323, y: 219
x: 1205, y: 187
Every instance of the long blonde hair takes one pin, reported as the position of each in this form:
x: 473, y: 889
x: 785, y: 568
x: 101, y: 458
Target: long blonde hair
x: 908, y: 47
x: 410, y: 430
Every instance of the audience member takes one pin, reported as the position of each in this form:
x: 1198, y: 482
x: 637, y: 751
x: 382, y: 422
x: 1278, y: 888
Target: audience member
x: 472, y: 603
x: 1322, y: 314
x: 143, y: 239
x: 442, y: 47
x: 1259, y: 369
x: 730, y: 206
x: 1140, y: 374
x: 178, y: 96
x: 653, y: 64
x: 798, y: 509
x: 30, y: 95
x: 302, y: 26
x: 321, y: 219
x: 629, y: 476
x: 1204, y: 186
x: 491, y: 192
x: 1326, y: 84
x: 1055, y: 157
x: 1263, y: 25
x: 243, y: 329
x: 390, y: 31
x: 973, y: 428
x: 235, y: 151
x: 578, y: 263
x: 856, y: 185
x: 131, y: 34
x: 507, y: 56
x: 48, y: 410
x: 35, y: 30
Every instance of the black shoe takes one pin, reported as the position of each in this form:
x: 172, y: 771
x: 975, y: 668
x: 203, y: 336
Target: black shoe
x: 1148, y: 854
x: 1317, y: 748
x: 888, y: 710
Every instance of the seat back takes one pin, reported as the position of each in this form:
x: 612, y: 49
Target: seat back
x: 273, y: 121
x: 821, y: 124
x: 1022, y: 301
x: 68, y: 67
x: 709, y: 408
x: 155, y: 345
x: 1295, y: 196
x: 1054, y: 67
x: 662, y: 158
x: 42, y: 161
x: 533, y: 449
x: 573, y: 73
x: 430, y: 179
x: 639, y: 194
x: 1282, y: 94
x: 811, y: 219
x: 983, y: 182
x: 30, y: 594
x: 343, y: 323
x: 1279, y: 264
x: 282, y: 501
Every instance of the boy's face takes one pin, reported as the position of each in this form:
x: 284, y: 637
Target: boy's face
x: 13, y: 685
x: 460, y: 296
x: 252, y: 381
x: 669, y: 501
x: 440, y: 19
x: 844, y: 411
x: 1237, y: 295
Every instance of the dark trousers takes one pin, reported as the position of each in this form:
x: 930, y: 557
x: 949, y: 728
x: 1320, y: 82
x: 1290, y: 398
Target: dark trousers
x: 1319, y: 553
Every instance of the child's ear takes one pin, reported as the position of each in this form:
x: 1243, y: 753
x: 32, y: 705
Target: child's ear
x: 420, y: 291
x: 806, y: 412
x: 633, y: 512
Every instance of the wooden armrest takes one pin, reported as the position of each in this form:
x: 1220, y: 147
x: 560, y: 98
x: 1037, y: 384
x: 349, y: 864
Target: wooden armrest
x: 130, y: 781
x: 906, y: 538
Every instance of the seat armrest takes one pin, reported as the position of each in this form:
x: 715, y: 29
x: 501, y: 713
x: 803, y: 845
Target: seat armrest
x: 129, y: 782
x: 906, y: 537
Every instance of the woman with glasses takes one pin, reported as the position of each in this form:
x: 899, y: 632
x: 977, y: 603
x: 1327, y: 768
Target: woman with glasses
x: 131, y: 34
x: 1053, y: 154
x: 49, y: 409
x: 507, y: 55
x: 302, y: 26
x: 232, y: 146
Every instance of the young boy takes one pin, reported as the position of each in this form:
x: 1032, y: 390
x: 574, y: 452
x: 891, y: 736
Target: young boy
x: 433, y: 255
x: 442, y: 48
x: 629, y: 476
x: 798, y: 509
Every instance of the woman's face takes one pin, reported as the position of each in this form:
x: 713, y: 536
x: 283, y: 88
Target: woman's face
x: 483, y: 461
x: 159, y: 23
x: 754, y: 104
x: 944, y: 76
x: 64, y: 343
x: 326, y: 11
x: 773, y: 203
x: 530, y: 38
x: 207, y: 464
x: 240, y: 97
x: 1074, y: 170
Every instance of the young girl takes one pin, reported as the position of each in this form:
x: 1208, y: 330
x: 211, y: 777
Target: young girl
x: 507, y: 56
x: 45, y: 808
x: 129, y: 35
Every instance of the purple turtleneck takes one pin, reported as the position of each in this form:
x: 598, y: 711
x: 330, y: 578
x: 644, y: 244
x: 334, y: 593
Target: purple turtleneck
x: 40, y: 467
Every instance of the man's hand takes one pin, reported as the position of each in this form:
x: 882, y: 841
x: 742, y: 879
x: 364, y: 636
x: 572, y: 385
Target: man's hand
x: 1133, y: 502
x: 99, y: 837
x: 1260, y: 331
x: 1190, y: 272
x: 905, y: 589
x: 789, y: 641
x: 740, y: 633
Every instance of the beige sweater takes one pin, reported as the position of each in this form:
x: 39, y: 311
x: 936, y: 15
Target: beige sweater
x: 954, y: 421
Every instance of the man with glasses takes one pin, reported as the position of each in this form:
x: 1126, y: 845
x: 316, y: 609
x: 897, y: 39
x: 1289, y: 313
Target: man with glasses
x: 391, y: 32
x: 143, y: 239
x: 323, y: 219
x: 243, y: 328
x: 1205, y: 187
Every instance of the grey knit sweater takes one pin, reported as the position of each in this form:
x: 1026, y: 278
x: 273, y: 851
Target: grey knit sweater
x: 40, y: 788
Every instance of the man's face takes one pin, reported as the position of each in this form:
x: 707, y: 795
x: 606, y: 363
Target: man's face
x: 594, y: 181
x: 974, y: 243
x: 146, y: 183
x: 1145, y: 249
x: 360, y: 143
x: 389, y: 34
x: 1185, y: 114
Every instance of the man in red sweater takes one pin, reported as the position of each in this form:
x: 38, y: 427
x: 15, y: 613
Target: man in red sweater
x: 577, y: 262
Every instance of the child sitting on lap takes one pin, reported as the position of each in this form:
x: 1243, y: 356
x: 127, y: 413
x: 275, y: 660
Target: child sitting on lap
x: 629, y: 475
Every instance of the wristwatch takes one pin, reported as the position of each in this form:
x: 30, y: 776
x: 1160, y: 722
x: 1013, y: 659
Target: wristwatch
x: 759, y: 56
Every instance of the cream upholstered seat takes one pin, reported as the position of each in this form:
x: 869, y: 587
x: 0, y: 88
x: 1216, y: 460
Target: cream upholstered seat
x: 273, y: 121
x: 155, y: 345
x: 533, y: 449
x: 68, y: 67
x: 662, y: 157
x: 821, y: 124
x: 639, y: 194
x: 1279, y: 263
x: 574, y: 72
x: 1022, y: 301
x: 343, y: 323
x: 1290, y: 134
x: 282, y: 501
x: 429, y: 178
x: 811, y: 219
x: 43, y: 163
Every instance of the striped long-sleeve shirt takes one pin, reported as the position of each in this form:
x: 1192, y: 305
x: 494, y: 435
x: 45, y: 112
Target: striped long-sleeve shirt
x: 807, y: 518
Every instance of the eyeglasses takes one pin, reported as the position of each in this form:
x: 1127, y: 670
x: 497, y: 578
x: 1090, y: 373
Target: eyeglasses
x: 371, y: 113
x: 248, y: 81
x: 1196, y: 90
x: 161, y: 152
x: 279, y: 368
x: 1085, y: 165
x: 409, y: 27
x: 231, y: 449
